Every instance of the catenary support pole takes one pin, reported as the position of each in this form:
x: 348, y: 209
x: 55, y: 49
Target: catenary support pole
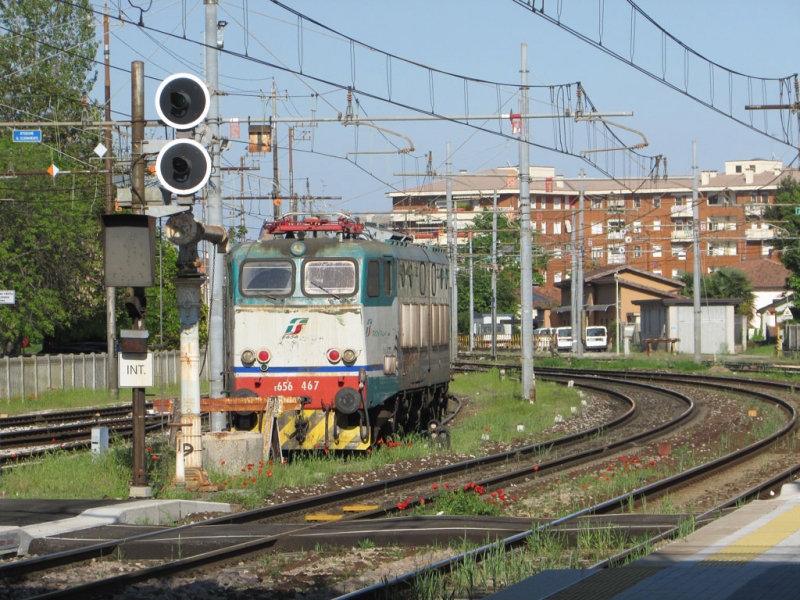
x: 579, y: 273
x: 452, y: 239
x: 696, y: 250
x: 494, y: 274
x: 526, y: 243
x: 214, y: 217
x: 111, y: 293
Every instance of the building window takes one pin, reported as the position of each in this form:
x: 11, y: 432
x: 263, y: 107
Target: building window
x: 556, y: 202
x: 680, y: 201
x: 557, y: 277
x: 676, y: 273
x: 597, y: 228
x: 544, y: 227
x: 557, y: 228
x: 637, y: 202
x: 656, y: 251
x: 656, y: 202
x: 597, y: 252
x: 656, y: 225
x: 637, y: 227
x: 597, y: 203
x: 557, y: 252
x: 767, y: 250
x: 616, y: 255
x: 657, y: 272
x: 637, y: 252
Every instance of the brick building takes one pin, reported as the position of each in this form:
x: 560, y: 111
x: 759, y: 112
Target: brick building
x: 642, y: 223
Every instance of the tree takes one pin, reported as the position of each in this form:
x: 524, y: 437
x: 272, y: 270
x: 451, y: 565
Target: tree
x: 508, y: 276
x: 47, y: 53
x: 787, y: 199
x: 50, y: 251
x: 726, y: 282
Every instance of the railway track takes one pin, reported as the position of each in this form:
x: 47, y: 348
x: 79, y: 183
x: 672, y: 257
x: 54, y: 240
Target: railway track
x: 541, y: 468
x: 28, y: 436
x: 489, y: 471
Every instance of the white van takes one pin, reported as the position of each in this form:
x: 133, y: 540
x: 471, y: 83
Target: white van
x: 563, y: 338
x: 596, y: 338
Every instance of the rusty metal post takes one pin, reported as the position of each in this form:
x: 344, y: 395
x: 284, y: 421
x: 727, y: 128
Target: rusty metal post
x: 139, y: 487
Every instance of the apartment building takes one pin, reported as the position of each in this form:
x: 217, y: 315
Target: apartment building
x: 645, y: 223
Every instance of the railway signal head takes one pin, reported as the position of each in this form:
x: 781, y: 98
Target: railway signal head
x: 183, y: 167
x: 182, y: 101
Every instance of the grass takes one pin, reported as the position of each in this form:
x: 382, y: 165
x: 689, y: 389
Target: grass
x: 80, y: 398
x: 72, y: 475
x: 503, y: 414
x: 496, y: 410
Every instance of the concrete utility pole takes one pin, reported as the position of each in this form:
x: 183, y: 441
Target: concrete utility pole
x: 111, y: 295
x: 526, y: 242
x: 214, y: 217
x: 276, y: 182
x: 452, y: 240
x: 696, y: 248
x: 578, y: 278
x: 494, y: 274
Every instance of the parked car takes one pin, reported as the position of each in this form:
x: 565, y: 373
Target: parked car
x: 596, y: 338
x: 563, y: 339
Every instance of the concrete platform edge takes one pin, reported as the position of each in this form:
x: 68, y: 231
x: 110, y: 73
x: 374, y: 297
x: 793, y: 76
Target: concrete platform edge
x: 143, y: 512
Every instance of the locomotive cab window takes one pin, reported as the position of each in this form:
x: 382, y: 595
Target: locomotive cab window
x: 267, y: 278
x: 373, y: 278
x: 387, y: 278
x: 329, y: 278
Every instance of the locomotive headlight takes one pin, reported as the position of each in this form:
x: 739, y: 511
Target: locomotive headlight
x: 347, y: 400
x: 298, y: 249
x: 264, y: 356
x: 349, y: 356
x: 248, y: 357
x: 334, y: 355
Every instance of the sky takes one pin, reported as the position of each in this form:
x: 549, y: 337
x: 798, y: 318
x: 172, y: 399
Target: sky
x: 463, y: 57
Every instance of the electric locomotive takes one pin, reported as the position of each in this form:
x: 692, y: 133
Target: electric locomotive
x: 349, y: 334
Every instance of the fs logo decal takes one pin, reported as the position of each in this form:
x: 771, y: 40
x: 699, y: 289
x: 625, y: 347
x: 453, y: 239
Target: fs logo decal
x: 295, y: 327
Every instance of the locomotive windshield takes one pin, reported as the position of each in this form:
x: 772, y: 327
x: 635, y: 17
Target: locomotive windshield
x: 329, y: 278
x: 267, y: 278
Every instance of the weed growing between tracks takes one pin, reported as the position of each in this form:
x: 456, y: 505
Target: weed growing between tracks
x: 497, y: 569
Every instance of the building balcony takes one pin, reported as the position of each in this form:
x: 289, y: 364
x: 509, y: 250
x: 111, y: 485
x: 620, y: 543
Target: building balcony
x: 754, y: 210
x: 752, y: 235
x: 680, y: 212
x: 681, y: 235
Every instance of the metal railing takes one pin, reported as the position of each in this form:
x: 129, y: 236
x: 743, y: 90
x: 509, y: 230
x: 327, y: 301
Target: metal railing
x: 30, y: 376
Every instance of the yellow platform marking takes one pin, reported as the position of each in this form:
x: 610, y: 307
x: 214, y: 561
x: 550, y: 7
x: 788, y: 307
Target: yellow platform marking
x: 360, y: 507
x: 758, y: 542
x: 323, y: 517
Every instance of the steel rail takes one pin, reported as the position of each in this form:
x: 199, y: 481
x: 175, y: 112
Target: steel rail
x: 39, y: 563
x: 379, y: 591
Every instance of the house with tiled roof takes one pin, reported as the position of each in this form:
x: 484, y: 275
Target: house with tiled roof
x: 770, y: 286
x: 605, y: 288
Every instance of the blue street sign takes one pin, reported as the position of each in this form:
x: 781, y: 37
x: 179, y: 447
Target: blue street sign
x: 27, y: 135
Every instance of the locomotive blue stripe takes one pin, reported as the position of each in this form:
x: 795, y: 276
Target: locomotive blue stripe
x: 311, y: 369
